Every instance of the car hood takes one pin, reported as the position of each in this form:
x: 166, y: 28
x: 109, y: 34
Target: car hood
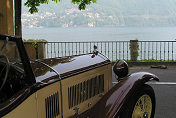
x: 48, y: 69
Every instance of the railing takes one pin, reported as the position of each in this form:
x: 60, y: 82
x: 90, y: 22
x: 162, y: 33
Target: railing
x: 157, y: 50
x: 115, y: 50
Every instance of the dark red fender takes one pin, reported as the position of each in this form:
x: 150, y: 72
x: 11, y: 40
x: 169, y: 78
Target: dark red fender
x: 112, y: 101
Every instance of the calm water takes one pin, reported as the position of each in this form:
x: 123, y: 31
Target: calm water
x: 102, y: 34
x: 154, y: 50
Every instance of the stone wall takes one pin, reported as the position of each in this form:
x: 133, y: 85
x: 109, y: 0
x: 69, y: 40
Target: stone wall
x: 38, y: 52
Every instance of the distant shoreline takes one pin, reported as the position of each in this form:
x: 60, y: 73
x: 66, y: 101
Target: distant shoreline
x: 101, y: 34
x: 102, y: 27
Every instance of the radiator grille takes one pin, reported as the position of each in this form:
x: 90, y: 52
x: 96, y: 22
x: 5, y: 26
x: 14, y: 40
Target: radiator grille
x: 85, y: 90
x: 52, y: 105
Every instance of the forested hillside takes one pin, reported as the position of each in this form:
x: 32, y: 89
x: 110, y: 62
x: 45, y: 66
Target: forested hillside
x: 104, y: 13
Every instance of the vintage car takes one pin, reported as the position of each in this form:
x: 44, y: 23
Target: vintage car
x: 70, y: 87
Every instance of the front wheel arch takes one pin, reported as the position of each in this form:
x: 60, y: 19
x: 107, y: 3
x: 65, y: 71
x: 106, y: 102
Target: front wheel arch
x: 127, y: 109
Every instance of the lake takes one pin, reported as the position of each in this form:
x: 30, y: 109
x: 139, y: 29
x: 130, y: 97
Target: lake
x: 101, y: 34
x: 113, y: 50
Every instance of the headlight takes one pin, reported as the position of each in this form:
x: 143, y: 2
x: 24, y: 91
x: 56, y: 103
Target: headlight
x: 120, y: 68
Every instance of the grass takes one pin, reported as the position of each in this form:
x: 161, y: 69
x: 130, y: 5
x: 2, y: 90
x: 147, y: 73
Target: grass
x: 150, y: 60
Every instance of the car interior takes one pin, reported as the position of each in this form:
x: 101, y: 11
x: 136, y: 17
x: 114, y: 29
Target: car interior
x: 12, y: 80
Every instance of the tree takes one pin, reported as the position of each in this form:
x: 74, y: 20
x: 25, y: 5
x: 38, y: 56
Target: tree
x: 33, y: 4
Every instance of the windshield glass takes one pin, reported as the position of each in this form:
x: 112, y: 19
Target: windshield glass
x: 10, y: 50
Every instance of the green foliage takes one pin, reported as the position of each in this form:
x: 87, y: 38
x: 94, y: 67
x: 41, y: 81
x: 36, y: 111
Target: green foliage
x: 33, y: 4
x: 137, y: 46
x: 149, y: 60
x: 154, y: 60
x: 82, y: 3
x: 35, y: 42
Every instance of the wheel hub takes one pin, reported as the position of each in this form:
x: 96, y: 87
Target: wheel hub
x: 145, y: 115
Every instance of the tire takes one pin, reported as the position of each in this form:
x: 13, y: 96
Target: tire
x: 141, y: 104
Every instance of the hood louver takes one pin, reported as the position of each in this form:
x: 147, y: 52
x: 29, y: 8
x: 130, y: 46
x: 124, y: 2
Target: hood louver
x: 52, y: 105
x: 85, y: 90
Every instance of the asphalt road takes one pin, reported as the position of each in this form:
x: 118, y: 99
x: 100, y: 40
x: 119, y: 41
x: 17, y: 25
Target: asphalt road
x: 165, y: 90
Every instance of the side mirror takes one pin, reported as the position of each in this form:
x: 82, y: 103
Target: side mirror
x: 120, y: 69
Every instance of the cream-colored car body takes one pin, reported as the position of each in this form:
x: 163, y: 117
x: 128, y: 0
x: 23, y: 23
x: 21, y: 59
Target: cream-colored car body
x: 43, y: 103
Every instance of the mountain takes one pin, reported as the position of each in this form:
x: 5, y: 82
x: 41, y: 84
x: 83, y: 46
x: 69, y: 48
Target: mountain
x: 105, y: 13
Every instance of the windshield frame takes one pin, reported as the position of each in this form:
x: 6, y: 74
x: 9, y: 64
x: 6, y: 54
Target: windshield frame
x: 30, y: 78
x: 10, y: 50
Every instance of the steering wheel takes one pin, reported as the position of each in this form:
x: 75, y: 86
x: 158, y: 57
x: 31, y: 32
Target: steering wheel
x: 6, y: 68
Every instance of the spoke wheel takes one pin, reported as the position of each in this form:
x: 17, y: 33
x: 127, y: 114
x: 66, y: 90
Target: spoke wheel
x: 141, y: 104
x: 143, y: 107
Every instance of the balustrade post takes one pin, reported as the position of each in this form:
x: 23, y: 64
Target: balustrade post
x: 134, y: 50
x: 36, y: 50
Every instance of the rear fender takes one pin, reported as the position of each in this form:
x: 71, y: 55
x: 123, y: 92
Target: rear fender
x: 113, y: 100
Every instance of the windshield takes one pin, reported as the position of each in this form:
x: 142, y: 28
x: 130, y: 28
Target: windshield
x: 10, y: 50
